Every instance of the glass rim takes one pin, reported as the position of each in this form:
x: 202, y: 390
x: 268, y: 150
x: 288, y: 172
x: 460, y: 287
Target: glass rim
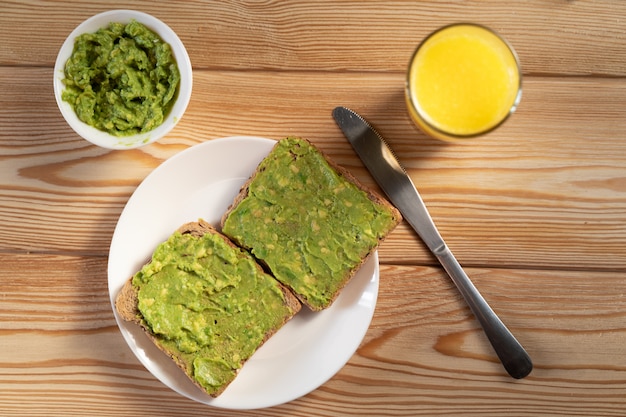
x: 419, y: 113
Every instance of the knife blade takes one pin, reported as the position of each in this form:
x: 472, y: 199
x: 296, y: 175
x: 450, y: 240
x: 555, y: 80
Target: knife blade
x: 382, y: 163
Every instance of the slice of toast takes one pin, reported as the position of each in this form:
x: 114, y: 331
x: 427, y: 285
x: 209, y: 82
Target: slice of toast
x: 309, y: 221
x: 206, y: 303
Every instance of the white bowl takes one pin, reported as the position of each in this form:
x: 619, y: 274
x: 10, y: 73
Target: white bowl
x: 105, y: 139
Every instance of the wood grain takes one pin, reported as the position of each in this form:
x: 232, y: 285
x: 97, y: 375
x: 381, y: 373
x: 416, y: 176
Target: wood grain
x: 426, y: 352
x: 535, y: 211
x: 545, y: 190
x: 557, y: 37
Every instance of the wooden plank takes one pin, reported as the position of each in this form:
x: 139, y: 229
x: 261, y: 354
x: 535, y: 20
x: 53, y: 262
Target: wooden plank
x: 545, y: 190
x: 61, y: 351
x: 555, y: 38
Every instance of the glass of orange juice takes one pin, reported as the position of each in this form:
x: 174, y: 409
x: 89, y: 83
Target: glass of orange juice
x: 464, y: 80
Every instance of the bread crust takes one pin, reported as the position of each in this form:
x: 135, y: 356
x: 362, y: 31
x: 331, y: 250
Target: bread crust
x: 126, y: 305
x: 372, y: 195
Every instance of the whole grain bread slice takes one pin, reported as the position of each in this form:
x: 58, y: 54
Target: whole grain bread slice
x: 127, y: 305
x: 257, y: 247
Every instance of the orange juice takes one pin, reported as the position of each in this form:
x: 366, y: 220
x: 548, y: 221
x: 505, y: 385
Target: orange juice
x: 463, y: 80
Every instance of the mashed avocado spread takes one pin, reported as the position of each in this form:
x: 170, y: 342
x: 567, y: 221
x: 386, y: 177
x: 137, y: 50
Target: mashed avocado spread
x: 122, y: 79
x: 309, y: 224
x: 209, y: 301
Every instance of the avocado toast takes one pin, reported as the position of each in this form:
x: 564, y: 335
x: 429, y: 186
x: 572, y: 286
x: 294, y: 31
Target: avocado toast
x: 206, y: 303
x: 309, y: 221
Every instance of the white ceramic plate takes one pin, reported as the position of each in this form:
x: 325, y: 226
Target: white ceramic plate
x: 201, y: 182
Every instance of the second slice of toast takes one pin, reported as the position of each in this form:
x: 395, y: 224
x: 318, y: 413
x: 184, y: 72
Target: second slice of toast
x: 309, y: 221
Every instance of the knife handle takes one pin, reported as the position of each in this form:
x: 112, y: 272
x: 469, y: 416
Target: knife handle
x: 514, y: 358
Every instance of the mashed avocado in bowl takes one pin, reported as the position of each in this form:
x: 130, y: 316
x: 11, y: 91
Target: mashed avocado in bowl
x: 122, y: 79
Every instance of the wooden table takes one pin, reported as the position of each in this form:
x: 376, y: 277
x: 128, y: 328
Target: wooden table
x: 536, y: 211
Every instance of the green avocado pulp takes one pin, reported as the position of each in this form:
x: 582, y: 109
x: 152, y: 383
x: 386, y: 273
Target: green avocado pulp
x: 122, y: 79
x: 310, y: 225
x: 211, y: 302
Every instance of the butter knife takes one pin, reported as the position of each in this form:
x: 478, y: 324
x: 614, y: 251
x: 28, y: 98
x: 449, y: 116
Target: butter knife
x: 396, y: 183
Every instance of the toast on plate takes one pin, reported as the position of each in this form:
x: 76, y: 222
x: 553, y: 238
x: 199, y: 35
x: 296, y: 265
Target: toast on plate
x: 308, y: 221
x: 206, y: 303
